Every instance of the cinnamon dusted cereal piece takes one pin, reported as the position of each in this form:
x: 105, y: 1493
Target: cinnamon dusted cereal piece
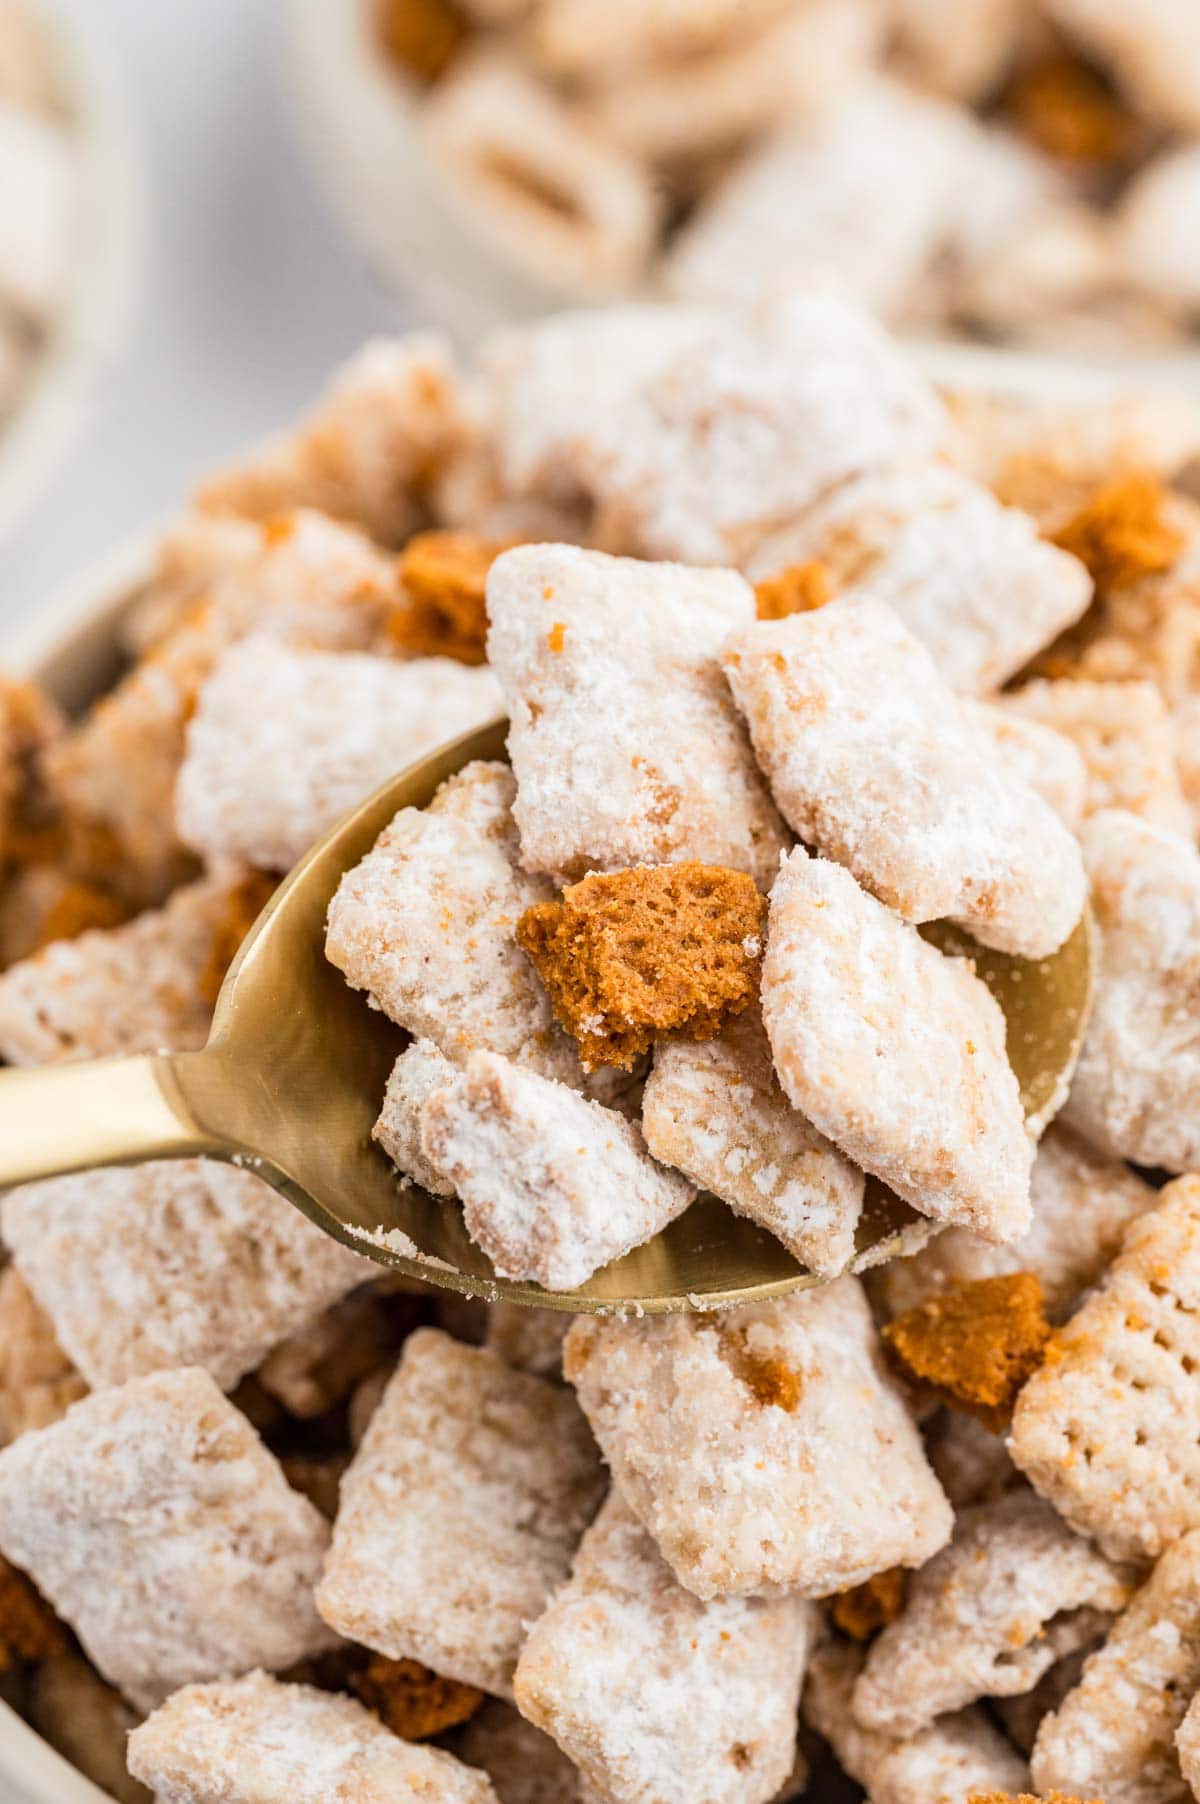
x: 1014, y: 1591
x: 283, y: 742
x: 1109, y: 1429
x: 419, y: 1071
x: 966, y: 576
x: 29, y: 1630
x: 553, y: 1186
x: 1113, y: 1736
x: 1037, y: 755
x: 653, y: 1693
x: 460, y: 1512
x: 391, y: 416
x: 183, y: 1263
x: 865, y: 1609
x: 1135, y: 1090
x: 1187, y: 1746
x: 165, y: 1483
x: 975, y: 1343
x: 971, y: 1463
x: 1082, y: 1205
x: 444, y: 612
x: 332, y: 1353
x: 893, y: 1051
x: 876, y: 764
x: 524, y: 1765
x: 572, y: 206
x: 624, y: 741
x: 426, y: 924
x: 716, y: 1111
x: 746, y: 1443
x: 959, y: 1755
x: 630, y: 955
x: 251, y: 1740
x: 38, y: 1383
x: 87, y: 1722
x: 530, y: 1340
x: 1126, y: 737
x: 412, y: 1701
x: 135, y: 988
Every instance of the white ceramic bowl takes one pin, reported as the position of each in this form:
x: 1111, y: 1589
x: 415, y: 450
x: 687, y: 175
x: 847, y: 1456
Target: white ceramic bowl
x: 39, y: 435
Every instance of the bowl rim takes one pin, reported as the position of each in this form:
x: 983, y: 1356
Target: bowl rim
x: 85, y: 338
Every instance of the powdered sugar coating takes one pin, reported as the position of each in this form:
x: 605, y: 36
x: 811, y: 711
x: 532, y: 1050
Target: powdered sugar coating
x: 969, y: 578
x: 390, y: 416
x: 283, y: 742
x: 460, y: 1512
x: 207, y: 1558
x: 893, y: 1051
x: 1044, y: 759
x: 1014, y: 1592
x: 135, y: 988
x: 715, y: 1110
x: 745, y: 1494
x: 654, y: 1694
x: 958, y: 1756
x: 1109, y: 1428
x: 187, y: 1263
x: 426, y: 925
x: 255, y: 1741
x: 553, y: 1186
x: 1082, y: 1204
x: 1136, y: 1088
x: 624, y: 742
x: 1113, y: 1735
x: 419, y: 1071
x: 1127, y: 739
x: 876, y: 764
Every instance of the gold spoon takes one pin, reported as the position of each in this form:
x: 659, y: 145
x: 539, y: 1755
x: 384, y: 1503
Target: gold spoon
x: 291, y: 1081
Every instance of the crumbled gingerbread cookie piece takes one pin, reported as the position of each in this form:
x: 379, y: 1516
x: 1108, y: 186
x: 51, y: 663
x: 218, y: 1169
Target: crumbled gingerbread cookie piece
x: 445, y: 582
x: 422, y: 37
x: 797, y: 589
x: 629, y: 955
x: 29, y: 1630
x: 74, y: 909
x: 864, y: 1609
x: 29, y: 720
x: 975, y: 1343
x: 411, y: 1700
x: 1123, y: 533
x: 1068, y: 110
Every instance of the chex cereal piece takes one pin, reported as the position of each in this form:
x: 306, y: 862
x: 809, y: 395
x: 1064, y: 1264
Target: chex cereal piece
x: 323, y: 1361
x: 1109, y: 1428
x: 253, y: 1740
x: 893, y: 1051
x: 1187, y: 1746
x: 1135, y: 1089
x: 524, y: 1765
x: 716, y: 1111
x: 165, y: 1483
x: 460, y: 1512
x: 1113, y: 1736
x: 419, y: 1071
x: 1038, y: 755
x: 444, y: 611
x: 876, y: 764
x: 625, y: 743
x: 38, y: 1383
x: 974, y: 1343
x: 1082, y: 1204
x: 390, y: 416
x: 968, y: 577
x: 1022, y: 1716
x: 426, y: 924
x: 187, y: 1262
x: 530, y: 1340
x: 553, y: 1186
x: 864, y: 1609
x: 651, y: 1692
x: 87, y: 1722
x: 945, y: 1764
x: 1127, y: 740
x: 747, y: 1444
x: 412, y: 1701
x: 1014, y: 1591
x: 284, y: 742
x: 972, y: 1464
x: 659, y: 949
x: 135, y: 988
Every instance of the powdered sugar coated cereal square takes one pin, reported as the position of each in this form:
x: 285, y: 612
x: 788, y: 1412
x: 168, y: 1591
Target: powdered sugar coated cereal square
x: 419, y: 1071
x: 1126, y: 737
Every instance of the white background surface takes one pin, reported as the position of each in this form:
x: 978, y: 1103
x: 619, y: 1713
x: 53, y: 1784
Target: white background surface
x: 248, y: 296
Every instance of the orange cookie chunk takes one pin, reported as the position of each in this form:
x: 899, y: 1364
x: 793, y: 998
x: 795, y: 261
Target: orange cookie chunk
x: 445, y: 580
x: 1123, y: 532
x: 29, y: 1631
x: 411, y: 1700
x: 653, y: 950
x: 865, y: 1609
x: 975, y: 1343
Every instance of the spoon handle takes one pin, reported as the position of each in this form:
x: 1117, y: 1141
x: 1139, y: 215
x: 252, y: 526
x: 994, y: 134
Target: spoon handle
x: 61, y: 1118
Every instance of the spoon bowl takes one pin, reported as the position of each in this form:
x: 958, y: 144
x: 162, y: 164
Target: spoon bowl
x: 292, y: 1078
